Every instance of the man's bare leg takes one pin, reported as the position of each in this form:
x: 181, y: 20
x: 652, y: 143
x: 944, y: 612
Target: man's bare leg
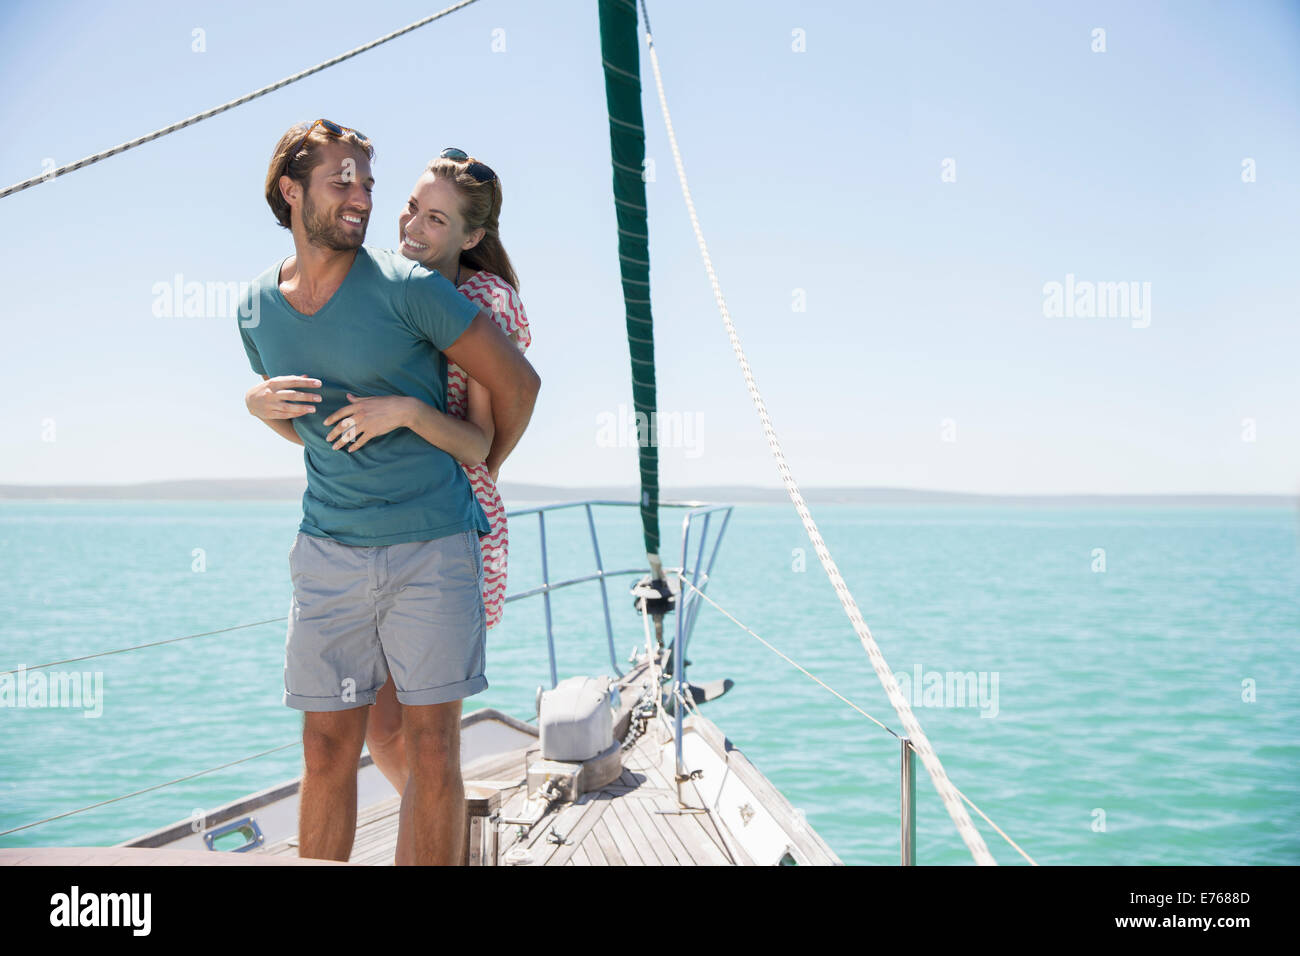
x: 387, y: 745
x: 433, y: 807
x: 384, y: 737
x: 405, y: 850
x: 327, y: 812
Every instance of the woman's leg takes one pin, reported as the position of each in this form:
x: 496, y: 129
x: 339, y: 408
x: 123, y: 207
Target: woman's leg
x: 384, y: 738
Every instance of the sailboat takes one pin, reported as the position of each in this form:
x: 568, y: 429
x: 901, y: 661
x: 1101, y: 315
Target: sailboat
x: 612, y: 769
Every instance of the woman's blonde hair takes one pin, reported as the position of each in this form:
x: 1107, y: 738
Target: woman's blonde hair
x: 480, y: 205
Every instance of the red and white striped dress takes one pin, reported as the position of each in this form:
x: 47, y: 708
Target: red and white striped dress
x: 494, y: 293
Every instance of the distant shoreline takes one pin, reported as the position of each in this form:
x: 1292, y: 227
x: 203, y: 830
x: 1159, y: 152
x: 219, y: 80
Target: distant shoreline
x: 279, y: 489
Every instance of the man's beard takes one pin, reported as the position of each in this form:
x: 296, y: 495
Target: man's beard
x: 325, y: 230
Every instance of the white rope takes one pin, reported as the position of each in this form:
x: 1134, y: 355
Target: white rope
x: 791, y: 661
x: 207, y: 114
x: 920, y: 743
x: 1013, y: 843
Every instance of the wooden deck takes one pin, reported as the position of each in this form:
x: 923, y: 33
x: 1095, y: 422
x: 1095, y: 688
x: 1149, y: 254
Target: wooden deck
x: 633, y: 821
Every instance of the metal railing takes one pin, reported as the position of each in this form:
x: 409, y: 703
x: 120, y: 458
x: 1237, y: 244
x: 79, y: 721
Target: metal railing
x: 907, y: 806
x: 688, y: 607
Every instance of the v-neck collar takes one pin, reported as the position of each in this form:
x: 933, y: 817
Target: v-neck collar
x: 328, y: 302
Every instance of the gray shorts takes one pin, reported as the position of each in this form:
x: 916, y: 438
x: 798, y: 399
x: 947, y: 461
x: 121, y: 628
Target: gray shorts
x: 414, y: 610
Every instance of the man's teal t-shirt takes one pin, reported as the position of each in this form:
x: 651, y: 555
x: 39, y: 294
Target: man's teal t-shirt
x: 381, y: 333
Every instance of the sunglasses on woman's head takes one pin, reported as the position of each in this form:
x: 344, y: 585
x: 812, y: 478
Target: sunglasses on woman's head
x: 330, y: 127
x: 480, y: 172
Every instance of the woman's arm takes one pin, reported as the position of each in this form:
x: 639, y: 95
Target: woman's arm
x: 464, y: 440
x: 478, y: 427
x: 479, y: 414
x: 467, y: 440
x: 487, y: 355
x: 285, y: 428
x: 273, y: 402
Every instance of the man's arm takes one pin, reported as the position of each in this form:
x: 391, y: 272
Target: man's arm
x: 489, y: 357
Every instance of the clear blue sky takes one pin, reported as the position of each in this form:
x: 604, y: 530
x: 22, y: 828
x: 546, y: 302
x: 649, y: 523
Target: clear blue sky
x: 817, y: 171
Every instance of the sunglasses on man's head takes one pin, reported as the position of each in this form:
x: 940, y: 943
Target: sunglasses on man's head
x: 480, y: 172
x: 330, y: 127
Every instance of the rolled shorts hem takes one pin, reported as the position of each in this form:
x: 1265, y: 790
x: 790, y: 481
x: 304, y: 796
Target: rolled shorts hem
x: 444, y: 694
x: 322, y: 704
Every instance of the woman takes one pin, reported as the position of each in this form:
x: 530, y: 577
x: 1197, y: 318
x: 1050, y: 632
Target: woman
x: 450, y: 224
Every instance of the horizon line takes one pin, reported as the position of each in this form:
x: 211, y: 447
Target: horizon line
x: 277, y: 488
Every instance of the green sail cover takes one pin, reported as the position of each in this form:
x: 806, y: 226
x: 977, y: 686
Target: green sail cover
x: 621, y: 58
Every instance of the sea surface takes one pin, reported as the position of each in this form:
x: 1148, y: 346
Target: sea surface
x: 1136, y: 672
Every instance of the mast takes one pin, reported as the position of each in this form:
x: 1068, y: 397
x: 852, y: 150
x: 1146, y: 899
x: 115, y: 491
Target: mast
x: 620, y: 57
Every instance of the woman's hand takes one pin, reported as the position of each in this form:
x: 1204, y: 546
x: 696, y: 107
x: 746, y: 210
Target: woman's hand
x: 276, y: 397
x: 368, y: 417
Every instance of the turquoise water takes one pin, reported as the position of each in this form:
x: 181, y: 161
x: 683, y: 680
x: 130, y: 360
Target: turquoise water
x: 1147, y: 713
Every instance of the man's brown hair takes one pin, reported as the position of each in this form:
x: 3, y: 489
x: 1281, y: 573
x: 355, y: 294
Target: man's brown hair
x: 306, y: 157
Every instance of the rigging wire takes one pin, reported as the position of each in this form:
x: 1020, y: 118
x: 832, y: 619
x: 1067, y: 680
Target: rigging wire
x: 136, y: 647
x: 157, y: 786
x: 828, y: 687
x: 920, y: 743
x: 208, y: 114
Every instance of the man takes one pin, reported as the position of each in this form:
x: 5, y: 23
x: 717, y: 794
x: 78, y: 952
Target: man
x: 386, y: 567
